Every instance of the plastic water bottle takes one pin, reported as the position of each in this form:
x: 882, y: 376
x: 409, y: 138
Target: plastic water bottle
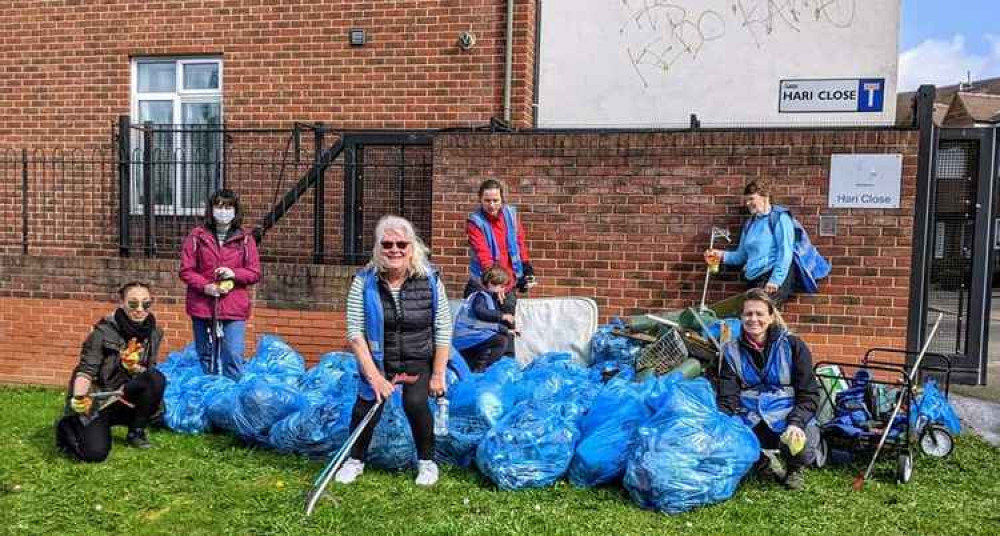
x: 441, y: 417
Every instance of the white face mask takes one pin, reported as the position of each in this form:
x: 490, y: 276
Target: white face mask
x: 223, y: 216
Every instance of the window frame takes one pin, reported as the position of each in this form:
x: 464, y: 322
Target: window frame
x: 179, y: 97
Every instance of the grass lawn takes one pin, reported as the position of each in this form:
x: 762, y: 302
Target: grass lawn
x: 212, y: 485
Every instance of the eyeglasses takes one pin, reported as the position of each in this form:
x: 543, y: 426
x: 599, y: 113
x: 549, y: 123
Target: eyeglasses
x: 136, y: 304
x: 400, y: 245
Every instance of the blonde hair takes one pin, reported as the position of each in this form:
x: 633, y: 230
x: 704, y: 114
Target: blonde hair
x: 419, y: 265
x: 760, y: 295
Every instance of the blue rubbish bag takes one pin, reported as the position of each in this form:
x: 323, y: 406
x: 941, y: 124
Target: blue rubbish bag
x: 187, y: 402
x: 688, y: 454
x: 475, y: 405
x: 605, y: 347
x: 531, y: 446
x: 932, y: 407
x: 392, y: 447
x: 275, y: 358
x: 330, y: 389
x: 316, y: 430
x: 260, y: 403
x: 221, y: 411
x: 337, y: 372
x: 180, y: 366
x: 608, y: 433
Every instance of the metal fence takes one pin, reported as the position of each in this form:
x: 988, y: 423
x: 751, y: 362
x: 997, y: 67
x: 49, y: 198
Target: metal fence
x: 311, y: 194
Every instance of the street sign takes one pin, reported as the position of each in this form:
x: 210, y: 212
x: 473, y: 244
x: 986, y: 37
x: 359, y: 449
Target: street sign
x: 831, y: 95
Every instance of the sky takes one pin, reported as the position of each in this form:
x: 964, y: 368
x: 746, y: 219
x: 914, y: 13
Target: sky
x: 940, y: 40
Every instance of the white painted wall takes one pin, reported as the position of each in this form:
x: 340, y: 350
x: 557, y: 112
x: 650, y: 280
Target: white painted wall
x: 652, y: 63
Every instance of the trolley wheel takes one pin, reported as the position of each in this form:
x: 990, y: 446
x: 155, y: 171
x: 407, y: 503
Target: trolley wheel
x: 822, y: 454
x: 904, y: 468
x: 936, y: 441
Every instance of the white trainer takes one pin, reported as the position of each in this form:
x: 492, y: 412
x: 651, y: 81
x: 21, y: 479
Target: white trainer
x: 427, y: 473
x: 350, y: 471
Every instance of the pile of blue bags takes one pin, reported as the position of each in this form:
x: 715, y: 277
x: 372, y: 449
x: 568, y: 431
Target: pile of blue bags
x: 521, y: 427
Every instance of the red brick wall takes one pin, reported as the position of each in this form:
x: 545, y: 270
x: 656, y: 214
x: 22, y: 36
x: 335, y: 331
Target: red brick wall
x: 623, y: 218
x: 66, y: 63
x: 48, y: 305
x: 66, y: 67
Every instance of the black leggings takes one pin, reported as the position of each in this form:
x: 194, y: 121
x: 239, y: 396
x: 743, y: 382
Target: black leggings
x: 484, y: 354
x: 786, y: 289
x: 91, y: 442
x: 418, y: 413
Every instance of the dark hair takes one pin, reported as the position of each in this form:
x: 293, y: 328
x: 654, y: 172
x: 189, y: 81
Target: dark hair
x: 496, y: 275
x: 491, y: 184
x: 223, y: 195
x: 123, y: 290
x: 760, y: 187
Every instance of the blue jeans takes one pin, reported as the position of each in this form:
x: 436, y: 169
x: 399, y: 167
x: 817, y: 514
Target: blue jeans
x: 231, y: 354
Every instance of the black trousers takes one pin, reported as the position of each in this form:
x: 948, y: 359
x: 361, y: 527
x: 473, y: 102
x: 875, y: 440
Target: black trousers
x: 484, y: 354
x: 90, y: 440
x: 418, y: 413
x: 771, y: 440
x: 786, y: 289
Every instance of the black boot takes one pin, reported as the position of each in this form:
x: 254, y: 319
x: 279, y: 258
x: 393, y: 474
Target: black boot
x: 137, y: 438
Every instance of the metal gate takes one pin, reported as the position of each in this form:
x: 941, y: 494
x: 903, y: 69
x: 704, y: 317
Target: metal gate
x: 954, y: 246
x: 385, y: 173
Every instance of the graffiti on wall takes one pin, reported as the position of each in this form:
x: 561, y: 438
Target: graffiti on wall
x: 660, y: 34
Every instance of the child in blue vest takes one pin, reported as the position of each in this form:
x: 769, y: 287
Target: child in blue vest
x: 484, y: 326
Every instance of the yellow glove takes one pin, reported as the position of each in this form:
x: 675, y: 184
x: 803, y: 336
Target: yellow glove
x: 81, y: 404
x: 795, y: 438
x: 131, y: 357
x: 226, y: 285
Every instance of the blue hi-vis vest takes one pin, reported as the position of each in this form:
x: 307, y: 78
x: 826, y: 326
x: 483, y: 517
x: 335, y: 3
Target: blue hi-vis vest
x: 510, y: 218
x: 375, y: 321
x: 767, y: 395
x: 469, y: 330
x: 809, y: 265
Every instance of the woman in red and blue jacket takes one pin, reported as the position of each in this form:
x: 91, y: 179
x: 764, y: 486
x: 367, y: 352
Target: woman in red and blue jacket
x: 219, y: 263
x: 497, y: 238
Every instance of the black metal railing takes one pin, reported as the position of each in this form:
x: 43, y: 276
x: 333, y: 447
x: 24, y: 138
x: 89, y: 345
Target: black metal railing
x: 312, y: 195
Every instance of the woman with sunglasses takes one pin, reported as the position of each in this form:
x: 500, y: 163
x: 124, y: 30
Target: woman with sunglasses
x: 398, y: 323
x: 118, y: 361
x: 219, y: 263
x: 768, y: 380
x: 497, y: 238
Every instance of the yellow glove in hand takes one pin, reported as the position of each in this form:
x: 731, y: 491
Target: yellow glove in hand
x: 226, y: 285
x: 81, y: 404
x: 795, y: 438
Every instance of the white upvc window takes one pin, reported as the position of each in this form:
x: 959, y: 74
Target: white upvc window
x: 182, y: 99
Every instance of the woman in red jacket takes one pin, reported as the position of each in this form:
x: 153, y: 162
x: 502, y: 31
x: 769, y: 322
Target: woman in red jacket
x: 496, y: 238
x: 219, y: 263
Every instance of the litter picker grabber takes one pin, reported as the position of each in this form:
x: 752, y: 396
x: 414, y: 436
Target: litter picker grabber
x: 215, y: 336
x: 859, y: 481
x: 323, y: 480
x: 108, y: 397
x: 717, y: 232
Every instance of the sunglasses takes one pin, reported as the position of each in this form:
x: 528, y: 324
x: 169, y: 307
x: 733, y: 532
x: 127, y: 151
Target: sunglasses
x: 400, y: 245
x: 135, y: 305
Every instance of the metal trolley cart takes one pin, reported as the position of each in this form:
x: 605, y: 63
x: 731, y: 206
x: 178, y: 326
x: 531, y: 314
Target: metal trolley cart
x: 875, y: 393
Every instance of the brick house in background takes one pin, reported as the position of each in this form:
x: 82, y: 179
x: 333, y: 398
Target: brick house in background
x: 620, y: 216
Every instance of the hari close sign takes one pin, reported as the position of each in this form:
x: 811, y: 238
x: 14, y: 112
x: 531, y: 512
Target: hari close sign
x: 856, y: 95
x: 865, y: 180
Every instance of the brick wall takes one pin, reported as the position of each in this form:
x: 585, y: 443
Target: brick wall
x: 48, y: 305
x: 66, y: 63
x: 623, y: 218
x: 66, y: 67
x: 619, y: 217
